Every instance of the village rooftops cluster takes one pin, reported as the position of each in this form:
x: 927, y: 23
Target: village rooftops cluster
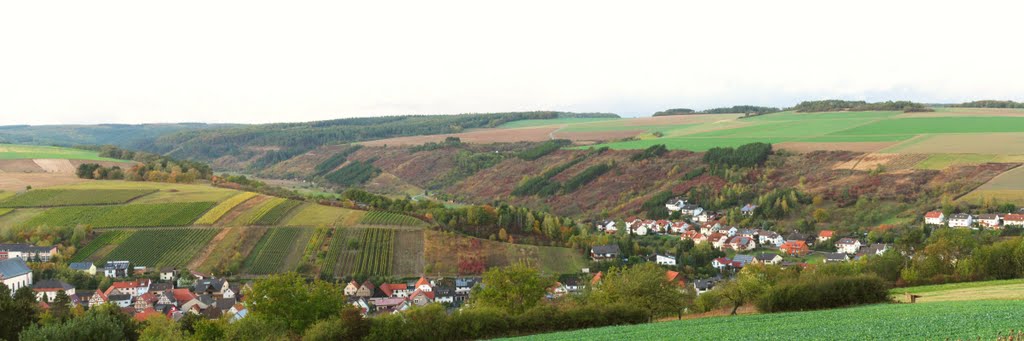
x: 27, y: 252
x: 993, y: 221
x: 388, y: 298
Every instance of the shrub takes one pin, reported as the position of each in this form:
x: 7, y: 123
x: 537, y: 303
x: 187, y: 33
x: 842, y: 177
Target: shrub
x: 816, y: 292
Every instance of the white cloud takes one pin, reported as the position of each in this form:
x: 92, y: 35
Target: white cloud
x: 246, y: 61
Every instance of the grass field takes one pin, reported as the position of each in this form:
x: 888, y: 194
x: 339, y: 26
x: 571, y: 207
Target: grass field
x: 15, y: 151
x: 1011, y: 289
x: 310, y: 214
x: 390, y: 219
x: 115, y: 237
x: 167, y: 192
x: 1006, y: 187
x: 935, y: 321
x: 66, y: 197
x: 223, y: 208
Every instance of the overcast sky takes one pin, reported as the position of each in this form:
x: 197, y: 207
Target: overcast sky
x: 250, y: 61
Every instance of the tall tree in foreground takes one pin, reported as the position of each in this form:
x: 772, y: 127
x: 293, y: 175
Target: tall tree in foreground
x: 513, y: 289
x: 287, y: 299
x: 644, y: 285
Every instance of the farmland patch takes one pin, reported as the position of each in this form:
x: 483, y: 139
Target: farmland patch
x: 321, y: 215
x: 273, y: 253
x: 138, y: 215
x: 162, y: 247
x: 378, y: 218
x: 223, y: 208
x: 65, y: 197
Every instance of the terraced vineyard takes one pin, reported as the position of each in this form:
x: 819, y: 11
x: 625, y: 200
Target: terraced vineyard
x: 112, y: 237
x: 221, y: 209
x: 376, y: 251
x: 313, y: 247
x: 164, y: 247
x: 271, y: 252
x: 390, y: 219
x: 140, y: 215
x: 276, y: 213
x: 70, y: 197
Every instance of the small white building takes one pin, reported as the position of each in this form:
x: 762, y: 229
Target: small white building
x: 961, y: 220
x: 848, y: 245
x: 114, y: 269
x: 665, y: 260
x: 86, y: 267
x: 992, y: 221
x: 48, y: 289
x: 1013, y: 220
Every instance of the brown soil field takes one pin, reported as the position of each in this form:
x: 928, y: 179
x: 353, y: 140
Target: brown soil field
x: 890, y: 161
x: 987, y: 143
x: 55, y: 165
x: 408, y: 253
x: 805, y: 147
x: 18, y: 181
x: 19, y: 166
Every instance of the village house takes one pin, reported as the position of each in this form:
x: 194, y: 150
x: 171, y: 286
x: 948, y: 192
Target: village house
x: 367, y: 289
x: 695, y: 236
x: 808, y: 239
x: 212, y: 286
x: 131, y: 288
x: 1013, y: 220
x: 168, y: 274
x: 748, y: 209
x: 961, y: 220
x: 676, y: 277
x: 690, y: 210
x: 350, y: 289
x: 463, y: 285
x: 768, y: 259
x: 120, y: 300
x: 680, y: 227
x: 95, y: 299
x: 27, y: 252
x: 704, y: 285
x: 15, y: 274
x: 833, y: 257
x: 991, y: 220
x: 395, y: 290
x: 86, y: 267
x: 848, y: 245
x: 664, y: 260
x: 934, y: 218
x: 444, y: 292
x: 770, y: 238
x: 718, y: 240
x: 47, y: 289
x: 706, y: 216
x: 675, y: 204
x: 742, y: 243
x: 739, y: 261
x: 825, y: 235
x: 605, y: 252
x: 608, y: 226
x: 115, y: 269
x: 640, y: 229
x: 795, y: 248
x: 876, y: 249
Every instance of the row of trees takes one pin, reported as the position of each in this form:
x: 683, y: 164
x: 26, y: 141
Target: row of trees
x: 990, y: 104
x: 842, y: 105
x: 736, y: 109
x: 748, y: 155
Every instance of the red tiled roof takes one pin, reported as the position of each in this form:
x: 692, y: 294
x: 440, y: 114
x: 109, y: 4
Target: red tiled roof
x: 183, y: 295
x: 826, y: 233
x: 127, y: 284
x: 1013, y: 217
x: 422, y: 281
x: 389, y: 288
x: 597, y: 278
x: 142, y: 316
x: 429, y: 294
x: 933, y: 214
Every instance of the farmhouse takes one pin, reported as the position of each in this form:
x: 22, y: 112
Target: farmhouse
x: 992, y: 221
x: 768, y: 259
x: 961, y: 220
x: 605, y: 252
x: 748, y: 209
x: 934, y: 218
x: 47, y: 289
x: 15, y: 274
x: 770, y: 238
x: 848, y: 245
x: 795, y: 248
x: 833, y: 257
x: 168, y: 274
x: 27, y: 252
x: 86, y: 267
x: 675, y: 204
x: 1013, y: 220
x: 876, y: 249
x: 741, y: 243
x: 131, y: 288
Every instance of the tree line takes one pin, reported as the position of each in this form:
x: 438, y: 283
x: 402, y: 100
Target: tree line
x: 842, y: 105
x: 150, y: 167
x: 990, y: 104
x: 736, y: 109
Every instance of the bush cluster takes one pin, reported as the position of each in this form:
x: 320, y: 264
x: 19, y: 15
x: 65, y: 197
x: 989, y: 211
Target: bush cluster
x: 823, y: 293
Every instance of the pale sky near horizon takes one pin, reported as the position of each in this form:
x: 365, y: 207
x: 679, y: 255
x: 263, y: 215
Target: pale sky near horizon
x: 65, y: 62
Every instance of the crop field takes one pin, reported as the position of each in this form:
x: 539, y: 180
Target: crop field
x: 4, y: 211
x: 15, y: 151
x: 313, y: 247
x: 271, y: 252
x: 390, y: 219
x: 166, y: 192
x: 556, y: 121
x: 140, y: 215
x: 64, y: 197
x: 162, y: 247
x: 221, y: 209
x: 113, y: 237
x: 376, y: 252
x: 922, y: 321
x: 342, y: 254
x: 311, y: 214
x: 226, y: 254
x: 443, y: 252
x: 252, y: 215
x: 276, y: 213
x: 1006, y: 187
x: 1010, y: 289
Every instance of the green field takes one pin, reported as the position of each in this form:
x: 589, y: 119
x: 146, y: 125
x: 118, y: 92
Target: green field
x: 135, y: 215
x: 218, y: 211
x: 114, y: 237
x: 166, y: 192
x: 66, y: 197
x: 936, y: 321
x: 164, y: 247
x: 16, y: 151
x: 390, y: 219
x: 939, y: 125
x: 270, y: 215
x: 1006, y: 187
x: 321, y: 215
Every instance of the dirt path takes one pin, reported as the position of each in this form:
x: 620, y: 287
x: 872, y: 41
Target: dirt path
x: 197, y: 261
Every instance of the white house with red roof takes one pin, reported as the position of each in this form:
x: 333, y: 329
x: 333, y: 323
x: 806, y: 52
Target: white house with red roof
x: 934, y: 218
x: 742, y: 243
x: 991, y: 220
x: 825, y: 235
x: 1013, y: 219
x: 133, y: 288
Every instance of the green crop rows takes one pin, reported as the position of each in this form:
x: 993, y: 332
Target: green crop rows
x: 5, y: 211
x: 270, y: 252
x: 375, y: 252
x: 68, y: 197
x: 141, y: 215
x: 106, y: 238
x: 274, y: 214
x: 341, y: 258
x: 391, y: 219
x: 962, y: 320
x: 221, y: 209
x: 169, y: 247
x: 315, y: 241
